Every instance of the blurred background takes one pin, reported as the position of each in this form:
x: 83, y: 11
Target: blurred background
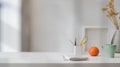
x: 47, y: 25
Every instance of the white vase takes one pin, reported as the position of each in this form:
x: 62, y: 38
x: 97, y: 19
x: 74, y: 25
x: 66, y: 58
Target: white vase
x: 116, y: 40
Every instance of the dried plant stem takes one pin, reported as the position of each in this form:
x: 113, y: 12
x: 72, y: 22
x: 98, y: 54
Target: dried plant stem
x: 115, y: 22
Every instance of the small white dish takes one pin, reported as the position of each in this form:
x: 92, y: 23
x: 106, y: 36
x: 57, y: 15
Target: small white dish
x: 75, y: 58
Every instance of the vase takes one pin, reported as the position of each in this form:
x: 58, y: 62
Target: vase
x: 109, y: 50
x: 116, y: 40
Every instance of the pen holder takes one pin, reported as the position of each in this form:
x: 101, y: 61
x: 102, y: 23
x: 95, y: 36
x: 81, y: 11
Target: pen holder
x: 78, y: 50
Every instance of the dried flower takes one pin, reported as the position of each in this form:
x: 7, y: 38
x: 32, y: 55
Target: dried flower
x: 111, y: 4
x: 104, y: 9
x: 111, y: 13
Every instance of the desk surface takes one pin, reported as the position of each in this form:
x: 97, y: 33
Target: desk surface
x: 36, y: 57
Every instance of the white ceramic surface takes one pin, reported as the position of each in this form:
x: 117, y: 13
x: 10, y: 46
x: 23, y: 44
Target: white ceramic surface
x: 53, y: 60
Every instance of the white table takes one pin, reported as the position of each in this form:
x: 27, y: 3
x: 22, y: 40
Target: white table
x: 31, y: 59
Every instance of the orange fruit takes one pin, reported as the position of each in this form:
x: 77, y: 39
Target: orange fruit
x: 93, y: 51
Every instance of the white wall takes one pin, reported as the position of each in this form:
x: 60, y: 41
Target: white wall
x: 55, y: 22
x: 53, y: 25
x: 89, y: 15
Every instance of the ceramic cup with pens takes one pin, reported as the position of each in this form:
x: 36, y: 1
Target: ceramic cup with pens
x: 78, y: 50
x: 109, y: 50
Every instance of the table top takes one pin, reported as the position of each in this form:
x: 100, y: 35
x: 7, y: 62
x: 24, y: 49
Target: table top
x: 51, y: 57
